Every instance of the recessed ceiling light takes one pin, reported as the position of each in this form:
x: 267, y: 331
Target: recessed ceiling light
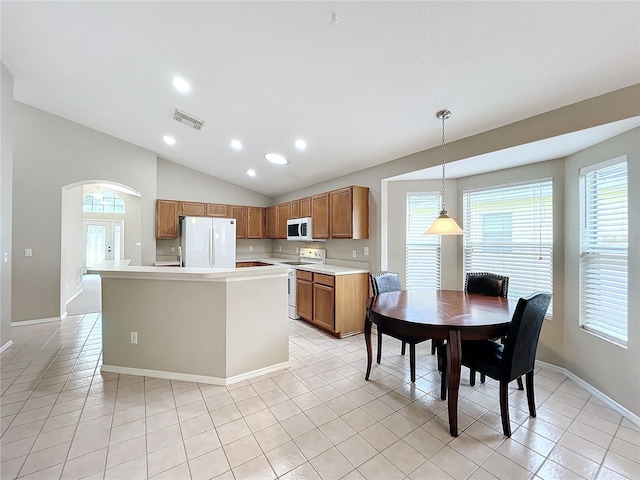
x: 276, y: 158
x: 169, y: 140
x: 301, y: 144
x: 251, y: 172
x: 236, y: 144
x: 181, y: 84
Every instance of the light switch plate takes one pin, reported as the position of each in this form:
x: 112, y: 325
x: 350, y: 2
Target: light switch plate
x: 28, y: 252
x: 366, y: 250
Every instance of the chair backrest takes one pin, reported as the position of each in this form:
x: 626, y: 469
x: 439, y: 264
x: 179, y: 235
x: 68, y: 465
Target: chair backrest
x: 487, y: 284
x: 519, y: 354
x: 383, y: 282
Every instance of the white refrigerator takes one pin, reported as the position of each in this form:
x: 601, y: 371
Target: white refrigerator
x: 208, y: 242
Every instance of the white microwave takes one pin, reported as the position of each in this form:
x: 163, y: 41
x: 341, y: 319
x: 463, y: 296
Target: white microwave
x: 299, y: 229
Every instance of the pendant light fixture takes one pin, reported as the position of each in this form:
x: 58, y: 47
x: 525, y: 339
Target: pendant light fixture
x: 444, y: 224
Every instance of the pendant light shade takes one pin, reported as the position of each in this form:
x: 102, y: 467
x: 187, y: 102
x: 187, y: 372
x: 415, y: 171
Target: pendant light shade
x: 444, y: 224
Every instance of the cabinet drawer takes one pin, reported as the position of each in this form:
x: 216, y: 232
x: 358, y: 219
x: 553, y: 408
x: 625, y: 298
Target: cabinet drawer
x: 304, y: 275
x: 323, y: 279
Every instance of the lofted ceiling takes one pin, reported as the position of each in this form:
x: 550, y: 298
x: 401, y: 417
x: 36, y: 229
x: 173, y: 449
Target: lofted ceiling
x: 359, y: 81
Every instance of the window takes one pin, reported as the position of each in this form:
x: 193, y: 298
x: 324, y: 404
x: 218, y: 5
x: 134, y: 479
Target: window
x: 102, y: 201
x: 604, y: 244
x: 423, y: 251
x: 509, y: 231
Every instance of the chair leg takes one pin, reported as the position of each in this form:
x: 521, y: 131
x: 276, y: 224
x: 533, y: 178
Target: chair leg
x: 504, y: 408
x: 530, y: 396
x: 520, y: 387
x: 412, y: 361
x: 472, y: 377
x: 379, y: 346
x: 404, y: 347
x: 433, y: 347
x: 482, y: 378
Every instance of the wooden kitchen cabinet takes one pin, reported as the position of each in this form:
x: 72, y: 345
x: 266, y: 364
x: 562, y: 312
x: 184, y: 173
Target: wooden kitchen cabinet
x: 196, y: 209
x: 304, y: 294
x: 255, y: 222
x: 305, y: 207
x: 166, y: 219
x: 320, y: 215
x: 216, y: 210
x: 333, y: 303
x: 272, y: 222
x: 282, y: 216
x: 349, y: 213
x: 239, y: 212
x: 294, y: 207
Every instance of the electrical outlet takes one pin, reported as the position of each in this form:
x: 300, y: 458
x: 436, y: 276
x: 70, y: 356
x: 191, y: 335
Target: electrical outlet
x: 28, y: 252
x: 134, y: 338
x: 6, y: 257
x: 366, y: 250
x: 172, y: 249
x: 279, y: 249
x: 251, y: 248
x: 355, y: 253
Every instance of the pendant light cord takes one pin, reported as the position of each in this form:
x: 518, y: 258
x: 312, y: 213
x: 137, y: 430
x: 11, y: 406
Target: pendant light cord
x: 443, y: 201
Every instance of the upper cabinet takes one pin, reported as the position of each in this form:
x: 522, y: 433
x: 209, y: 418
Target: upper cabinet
x: 305, y: 207
x: 283, y: 215
x: 195, y: 209
x: 320, y: 215
x: 341, y: 213
x: 294, y: 209
x: 167, y: 218
x: 239, y: 212
x: 272, y: 222
x: 216, y: 210
x: 255, y: 222
x: 350, y: 213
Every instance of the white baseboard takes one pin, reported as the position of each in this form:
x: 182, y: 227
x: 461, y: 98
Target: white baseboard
x: 187, y: 377
x: 6, y: 345
x: 74, y: 296
x: 36, y: 321
x: 593, y: 391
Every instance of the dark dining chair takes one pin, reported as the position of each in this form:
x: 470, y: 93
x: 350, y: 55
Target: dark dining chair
x: 516, y: 357
x: 383, y: 282
x: 493, y: 285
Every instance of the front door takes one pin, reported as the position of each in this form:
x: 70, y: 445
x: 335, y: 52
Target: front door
x: 104, y: 240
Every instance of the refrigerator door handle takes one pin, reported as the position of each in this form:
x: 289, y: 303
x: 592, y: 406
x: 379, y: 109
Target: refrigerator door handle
x: 211, y: 257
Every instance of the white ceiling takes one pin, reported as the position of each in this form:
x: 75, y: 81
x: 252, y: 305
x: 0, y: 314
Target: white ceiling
x: 362, y: 90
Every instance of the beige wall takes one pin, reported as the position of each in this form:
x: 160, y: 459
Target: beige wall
x: 611, y: 369
x: 6, y: 201
x: 51, y: 153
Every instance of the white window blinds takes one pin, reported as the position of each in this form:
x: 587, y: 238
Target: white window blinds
x: 423, y: 251
x: 509, y: 231
x: 604, y: 244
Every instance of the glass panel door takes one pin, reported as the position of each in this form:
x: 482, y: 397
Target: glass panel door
x: 104, y: 240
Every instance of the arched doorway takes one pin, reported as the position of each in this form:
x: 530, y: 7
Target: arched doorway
x: 101, y: 220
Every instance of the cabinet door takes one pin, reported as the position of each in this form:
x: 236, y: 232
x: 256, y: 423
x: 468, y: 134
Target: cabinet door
x: 320, y: 215
x: 323, y: 306
x: 272, y: 222
x: 239, y: 212
x: 216, y: 210
x: 195, y: 209
x: 255, y: 222
x: 295, y: 209
x: 283, y: 216
x: 304, y: 299
x: 305, y: 207
x: 341, y: 211
x: 166, y: 219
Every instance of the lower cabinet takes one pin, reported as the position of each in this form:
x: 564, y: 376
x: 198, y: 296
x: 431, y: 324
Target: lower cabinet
x: 335, y: 303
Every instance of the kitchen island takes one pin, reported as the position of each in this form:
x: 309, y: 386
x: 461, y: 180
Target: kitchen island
x: 208, y: 325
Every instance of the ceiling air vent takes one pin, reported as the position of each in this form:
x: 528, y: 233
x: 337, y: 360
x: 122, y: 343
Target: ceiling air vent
x: 190, y: 120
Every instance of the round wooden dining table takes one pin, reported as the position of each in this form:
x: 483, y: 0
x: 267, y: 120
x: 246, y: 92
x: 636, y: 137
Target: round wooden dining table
x: 440, y: 315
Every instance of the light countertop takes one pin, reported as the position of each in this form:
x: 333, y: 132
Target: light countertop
x: 327, y: 269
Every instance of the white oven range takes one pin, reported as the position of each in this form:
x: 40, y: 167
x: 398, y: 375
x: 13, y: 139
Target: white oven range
x: 306, y: 256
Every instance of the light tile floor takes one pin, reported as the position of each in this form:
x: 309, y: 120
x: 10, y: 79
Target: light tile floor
x: 319, y: 419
